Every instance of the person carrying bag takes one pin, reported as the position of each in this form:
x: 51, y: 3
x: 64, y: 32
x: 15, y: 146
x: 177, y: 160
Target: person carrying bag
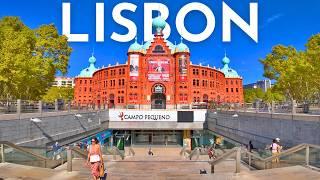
x: 95, y: 159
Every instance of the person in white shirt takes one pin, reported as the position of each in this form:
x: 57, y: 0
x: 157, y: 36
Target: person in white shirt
x: 275, y: 150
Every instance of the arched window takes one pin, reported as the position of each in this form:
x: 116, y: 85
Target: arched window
x: 205, y: 98
x: 158, y: 49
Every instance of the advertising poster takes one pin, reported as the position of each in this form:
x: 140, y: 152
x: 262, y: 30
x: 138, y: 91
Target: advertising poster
x: 134, y: 67
x: 158, y: 70
x: 183, y: 68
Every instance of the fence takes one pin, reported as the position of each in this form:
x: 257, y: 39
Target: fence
x: 26, y: 106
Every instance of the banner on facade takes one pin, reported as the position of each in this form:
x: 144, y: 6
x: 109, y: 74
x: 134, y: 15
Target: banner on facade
x: 158, y: 70
x: 134, y: 67
x: 183, y: 68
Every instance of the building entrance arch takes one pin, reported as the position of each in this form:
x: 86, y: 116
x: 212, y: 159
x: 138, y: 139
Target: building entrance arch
x: 158, y: 97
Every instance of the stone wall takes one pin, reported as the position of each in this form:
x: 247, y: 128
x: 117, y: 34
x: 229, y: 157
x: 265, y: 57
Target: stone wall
x: 261, y: 128
x: 64, y: 127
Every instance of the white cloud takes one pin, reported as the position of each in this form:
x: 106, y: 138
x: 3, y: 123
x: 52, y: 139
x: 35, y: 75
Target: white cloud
x: 271, y: 20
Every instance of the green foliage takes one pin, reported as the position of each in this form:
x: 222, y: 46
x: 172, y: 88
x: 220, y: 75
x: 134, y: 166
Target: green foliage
x: 296, y: 72
x: 65, y: 93
x: 273, y: 95
x: 253, y: 94
x: 30, y: 59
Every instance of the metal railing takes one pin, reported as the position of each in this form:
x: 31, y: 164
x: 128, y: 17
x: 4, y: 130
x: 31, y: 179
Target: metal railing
x: 235, y: 151
x: 12, y: 153
x: 84, y: 154
x: 26, y: 106
x: 297, y: 155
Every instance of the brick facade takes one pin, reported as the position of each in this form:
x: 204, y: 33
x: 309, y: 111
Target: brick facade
x: 174, y: 85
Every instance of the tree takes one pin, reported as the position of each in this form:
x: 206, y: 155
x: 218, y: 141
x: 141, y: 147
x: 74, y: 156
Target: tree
x: 64, y: 93
x: 253, y: 94
x: 30, y: 59
x: 295, y: 72
x: 313, y: 57
x: 272, y: 95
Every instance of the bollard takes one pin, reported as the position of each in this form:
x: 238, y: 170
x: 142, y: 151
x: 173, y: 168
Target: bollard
x: 294, y: 111
x: 212, y: 169
x: 19, y: 107
x: 40, y: 107
x: 272, y: 107
x: 69, y: 160
x: 238, y: 158
x: 69, y: 106
x: 307, y: 155
x: 56, y: 105
x: 2, y: 154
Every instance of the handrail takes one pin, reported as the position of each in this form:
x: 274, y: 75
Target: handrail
x: 115, y: 149
x: 7, y: 143
x: 193, y: 152
x: 48, y: 163
x: 314, y: 146
x: 131, y: 151
x: 223, y: 156
x: 284, y: 153
x: 236, y: 151
x: 79, y: 152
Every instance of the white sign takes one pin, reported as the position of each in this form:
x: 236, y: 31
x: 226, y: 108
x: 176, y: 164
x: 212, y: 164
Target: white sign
x: 199, y: 115
x: 134, y: 115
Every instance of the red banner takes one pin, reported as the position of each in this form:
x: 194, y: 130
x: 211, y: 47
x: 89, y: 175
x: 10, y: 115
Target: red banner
x: 158, y: 70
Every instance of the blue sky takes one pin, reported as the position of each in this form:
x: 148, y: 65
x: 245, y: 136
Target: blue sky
x: 285, y: 22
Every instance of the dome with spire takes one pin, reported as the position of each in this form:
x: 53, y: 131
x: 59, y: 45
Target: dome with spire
x: 159, y: 22
x: 181, y: 47
x: 135, y: 47
x: 88, y: 72
x: 228, y: 72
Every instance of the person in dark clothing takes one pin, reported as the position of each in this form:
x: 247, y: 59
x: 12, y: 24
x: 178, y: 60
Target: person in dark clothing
x: 250, y: 146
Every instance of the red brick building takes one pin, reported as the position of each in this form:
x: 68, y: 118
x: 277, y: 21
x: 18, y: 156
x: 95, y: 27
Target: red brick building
x: 158, y: 74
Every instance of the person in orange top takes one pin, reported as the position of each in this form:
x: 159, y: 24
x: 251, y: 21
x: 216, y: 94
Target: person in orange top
x: 95, y: 158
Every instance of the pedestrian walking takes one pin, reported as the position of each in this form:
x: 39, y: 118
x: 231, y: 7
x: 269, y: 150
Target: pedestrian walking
x: 95, y: 160
x: 275, y: 149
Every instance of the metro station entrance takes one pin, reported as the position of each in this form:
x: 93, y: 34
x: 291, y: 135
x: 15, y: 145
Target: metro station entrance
x: 151, y: 137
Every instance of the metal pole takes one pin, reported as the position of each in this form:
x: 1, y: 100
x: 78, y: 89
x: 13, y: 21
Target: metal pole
x: 56, y: 107
x: 294, y: 111
x: 19, y: 107
x: 40, y: 107
x: 238, y: 158
x: 2, y: 154
x: 272, y: 107
x: 212, y: 169
x: 307, y: 154
x: 69, y: 106
x: 69, y: 160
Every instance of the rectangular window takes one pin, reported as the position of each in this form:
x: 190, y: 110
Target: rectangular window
x: 227, y: 90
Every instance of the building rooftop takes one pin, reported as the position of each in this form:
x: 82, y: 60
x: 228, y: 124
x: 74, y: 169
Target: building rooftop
x: 88, y: 72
